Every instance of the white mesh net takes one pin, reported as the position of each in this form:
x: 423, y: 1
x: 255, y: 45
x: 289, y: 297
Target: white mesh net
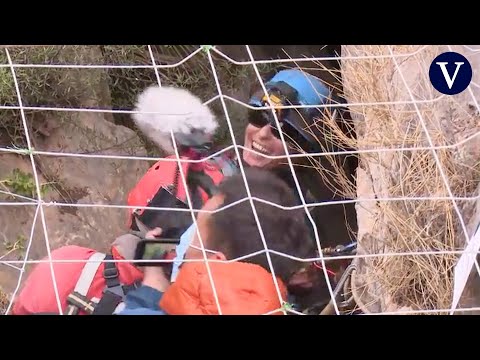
x: 68, y: 161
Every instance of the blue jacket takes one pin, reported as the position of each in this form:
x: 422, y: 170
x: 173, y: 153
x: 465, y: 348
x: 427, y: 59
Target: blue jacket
x: 143, y: 301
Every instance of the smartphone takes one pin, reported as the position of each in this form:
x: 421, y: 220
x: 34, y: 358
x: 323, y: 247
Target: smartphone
x: 155, y: 249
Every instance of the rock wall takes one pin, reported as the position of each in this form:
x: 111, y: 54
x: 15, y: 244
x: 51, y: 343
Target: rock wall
x: 72, y: 180
x: 411, y: 282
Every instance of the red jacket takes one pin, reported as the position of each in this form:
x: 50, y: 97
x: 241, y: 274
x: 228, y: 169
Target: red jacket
x: 242, y: 289
x: 38, y: 295
x: 162, y: 174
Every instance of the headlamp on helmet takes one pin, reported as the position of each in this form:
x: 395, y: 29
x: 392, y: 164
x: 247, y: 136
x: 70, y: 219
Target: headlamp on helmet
x: 294, y: 122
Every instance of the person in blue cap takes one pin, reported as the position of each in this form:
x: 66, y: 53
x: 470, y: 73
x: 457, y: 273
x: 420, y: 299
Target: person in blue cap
x: 288, y: 87
x: 304, y: 130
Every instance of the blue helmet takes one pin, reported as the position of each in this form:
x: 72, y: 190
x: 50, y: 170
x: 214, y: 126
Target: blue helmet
x: 292, y: 87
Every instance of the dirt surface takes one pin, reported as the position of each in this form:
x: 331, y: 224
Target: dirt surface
x: 71, y: 180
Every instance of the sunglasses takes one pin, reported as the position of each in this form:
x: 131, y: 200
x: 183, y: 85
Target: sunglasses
x: 262, y: 118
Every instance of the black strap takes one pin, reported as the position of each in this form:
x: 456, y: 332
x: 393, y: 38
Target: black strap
x: 113, y: 293
x: 110, y: 272
x: 109, y: 301
x: 107, y: 304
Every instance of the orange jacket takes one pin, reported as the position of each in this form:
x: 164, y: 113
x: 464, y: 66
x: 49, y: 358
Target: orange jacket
x: 242, y: 289
x: 38, y: 294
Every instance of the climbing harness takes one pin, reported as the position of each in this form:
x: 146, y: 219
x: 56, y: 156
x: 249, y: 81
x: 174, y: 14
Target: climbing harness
x: 114, y: 292
x: 342, y: 295
x: 342, y: 292
x: 113, y: 295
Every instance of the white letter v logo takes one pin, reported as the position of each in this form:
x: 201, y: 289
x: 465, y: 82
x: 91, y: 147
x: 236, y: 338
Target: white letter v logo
x: 443, y: 66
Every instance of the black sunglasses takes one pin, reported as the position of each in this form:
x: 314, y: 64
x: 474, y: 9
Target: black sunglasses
x: 261, y: 118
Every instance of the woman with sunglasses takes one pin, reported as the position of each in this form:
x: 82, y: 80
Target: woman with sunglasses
x: 302, y: 105
x: 293, y: 94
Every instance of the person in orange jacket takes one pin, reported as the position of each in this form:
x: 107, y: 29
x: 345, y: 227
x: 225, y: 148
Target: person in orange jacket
x: 246, y: 286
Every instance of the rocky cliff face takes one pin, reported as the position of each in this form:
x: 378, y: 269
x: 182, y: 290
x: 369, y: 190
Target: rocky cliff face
x: 411, y: 282
x: 73, y: 181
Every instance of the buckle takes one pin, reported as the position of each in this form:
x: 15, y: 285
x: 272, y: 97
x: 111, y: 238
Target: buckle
x: 110, y: 273
x: 115, y: 290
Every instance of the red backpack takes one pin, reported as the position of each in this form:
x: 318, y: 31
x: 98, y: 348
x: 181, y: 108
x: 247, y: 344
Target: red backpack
x: 94, y: 287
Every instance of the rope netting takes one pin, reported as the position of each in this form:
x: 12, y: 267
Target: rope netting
x: 374, y: 252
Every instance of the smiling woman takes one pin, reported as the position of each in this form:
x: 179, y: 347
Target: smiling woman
x: 261, y: 139
x: 305, y: 130
x: 288, y: 87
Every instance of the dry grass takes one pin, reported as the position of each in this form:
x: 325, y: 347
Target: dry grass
x: 424, y: 281
x: 416, y: 282
x: 4, y: 301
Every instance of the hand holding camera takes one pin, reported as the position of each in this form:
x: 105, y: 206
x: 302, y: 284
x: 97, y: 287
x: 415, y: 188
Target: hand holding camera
x: 156, y: 274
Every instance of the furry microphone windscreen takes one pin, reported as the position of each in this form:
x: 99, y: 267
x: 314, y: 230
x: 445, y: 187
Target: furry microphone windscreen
x: 176, y: 110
